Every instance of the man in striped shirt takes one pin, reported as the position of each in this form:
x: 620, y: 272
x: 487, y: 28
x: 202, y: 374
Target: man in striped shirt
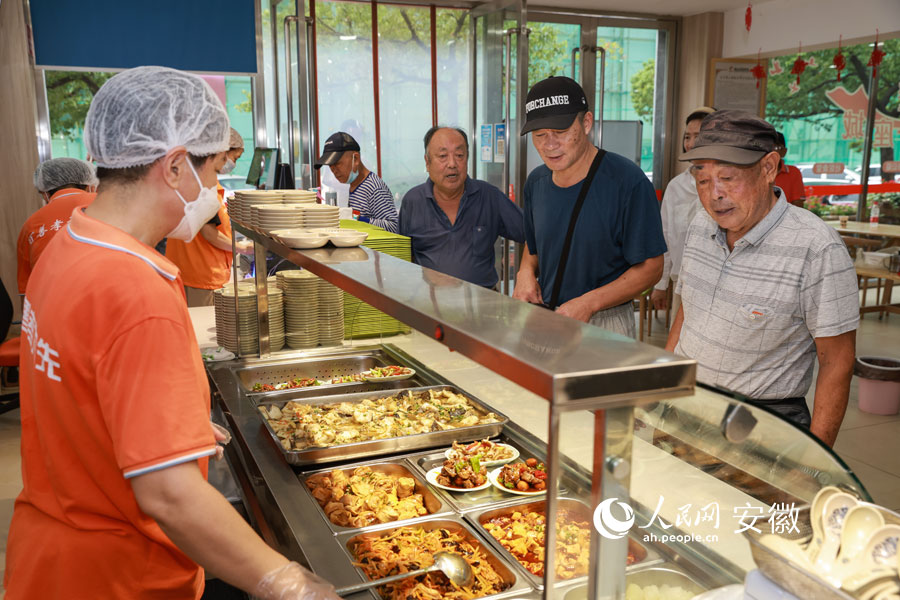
x: 369, y: 194
x: 766, y: 287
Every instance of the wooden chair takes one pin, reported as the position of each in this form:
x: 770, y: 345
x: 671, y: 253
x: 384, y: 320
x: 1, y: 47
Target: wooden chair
x: 854, y: 246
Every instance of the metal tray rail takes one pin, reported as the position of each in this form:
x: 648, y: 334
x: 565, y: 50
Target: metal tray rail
x: 370, y: 448
x: 467, y: 501
x: 433, y: 503
x: 517, y: 584
x: 643, y: 556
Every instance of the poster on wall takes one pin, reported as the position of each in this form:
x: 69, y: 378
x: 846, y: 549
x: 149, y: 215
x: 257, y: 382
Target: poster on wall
x: 499, y: 142
x: 732, y: 86
x: 487, y: 143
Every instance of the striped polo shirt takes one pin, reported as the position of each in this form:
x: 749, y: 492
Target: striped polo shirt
x: 373, y: 199
x: 751, y: 314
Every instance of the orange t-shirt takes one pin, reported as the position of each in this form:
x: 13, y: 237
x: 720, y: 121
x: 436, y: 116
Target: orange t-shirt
x: 202, y: 265
x: 111, y: 387
x: 790, y: 180
x: 41, y: 226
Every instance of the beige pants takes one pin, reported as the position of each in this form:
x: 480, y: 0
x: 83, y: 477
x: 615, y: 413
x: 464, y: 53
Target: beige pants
x: 618, y: 319
x: 199, y: 296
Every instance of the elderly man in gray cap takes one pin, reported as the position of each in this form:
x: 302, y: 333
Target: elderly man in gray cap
x: 766, y: 287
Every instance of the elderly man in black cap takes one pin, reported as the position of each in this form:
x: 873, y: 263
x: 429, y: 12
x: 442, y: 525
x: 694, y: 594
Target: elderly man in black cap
x: 369, y: 194
x: 765, y: 286
x: 592, y: 222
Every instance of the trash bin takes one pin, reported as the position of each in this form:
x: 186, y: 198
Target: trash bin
x: 879, y: 384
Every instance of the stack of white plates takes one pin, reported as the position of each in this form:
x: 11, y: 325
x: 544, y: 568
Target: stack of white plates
x: 240, y: 207
x: 301, y: 308
x: 276, y: 317
x: 305, y: 196
x: 331, y: 314
x: 316, y: 216
x: 227, y: 326
x: 276, y: 216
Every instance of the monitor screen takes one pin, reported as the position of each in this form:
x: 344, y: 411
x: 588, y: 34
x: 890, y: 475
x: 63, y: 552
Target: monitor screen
x: 261, y: 174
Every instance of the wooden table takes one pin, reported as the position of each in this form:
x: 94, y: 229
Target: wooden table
x: 883, y: 305
x: 880, y: 230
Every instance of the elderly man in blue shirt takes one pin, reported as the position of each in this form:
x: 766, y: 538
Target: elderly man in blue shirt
x: 454, y: 220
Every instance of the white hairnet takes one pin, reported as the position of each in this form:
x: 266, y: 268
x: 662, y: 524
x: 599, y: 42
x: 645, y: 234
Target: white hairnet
x: 59, y: 172
x: 142, y: 113
x: 235, y: 140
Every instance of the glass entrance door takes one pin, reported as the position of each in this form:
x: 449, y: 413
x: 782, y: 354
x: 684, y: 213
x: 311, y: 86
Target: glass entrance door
x: 499, y: 60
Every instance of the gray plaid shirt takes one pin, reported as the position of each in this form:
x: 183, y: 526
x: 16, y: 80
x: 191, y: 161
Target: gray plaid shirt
x: 751, y: 315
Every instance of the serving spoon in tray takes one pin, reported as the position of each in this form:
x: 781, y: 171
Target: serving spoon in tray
x: 454, y: 567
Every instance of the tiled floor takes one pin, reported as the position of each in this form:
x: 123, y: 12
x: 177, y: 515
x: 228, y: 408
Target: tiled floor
x: 869, y: 444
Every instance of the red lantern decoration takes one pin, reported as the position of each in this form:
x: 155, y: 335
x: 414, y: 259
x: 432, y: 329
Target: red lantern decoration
x: 748, y: 20
x: 799, y: 64
x: 838, y: 61
x: 759, y: 72
x: 875, y: 57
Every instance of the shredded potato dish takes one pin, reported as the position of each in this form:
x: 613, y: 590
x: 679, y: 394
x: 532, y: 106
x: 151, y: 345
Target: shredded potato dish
x: 366, y: 497
x: 409, y: 548
x: 300, y: 426
x: 522, y: 534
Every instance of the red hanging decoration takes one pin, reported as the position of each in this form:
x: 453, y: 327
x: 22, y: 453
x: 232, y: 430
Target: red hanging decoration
x: 759, y: 71
x: 875, y: 58
x: 748, y: 20
x: 838, y: 61
x: 799, y: 64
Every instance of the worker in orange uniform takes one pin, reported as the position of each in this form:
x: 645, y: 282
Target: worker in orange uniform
x: 114, y: 398
x: 205, y: 262
x: 65, y: 184
x: 789, y: 178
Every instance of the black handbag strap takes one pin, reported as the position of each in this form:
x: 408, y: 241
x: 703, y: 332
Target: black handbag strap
x: 567, y: 244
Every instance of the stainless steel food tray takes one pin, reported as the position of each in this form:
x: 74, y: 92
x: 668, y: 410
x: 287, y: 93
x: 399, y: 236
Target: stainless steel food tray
x: 645, y: 576
x: 433, y: 503
x: 516, y: 584
x: 643, y: 556
x: 324, y: 368
x: 467, y: 501
x: 371, y: 448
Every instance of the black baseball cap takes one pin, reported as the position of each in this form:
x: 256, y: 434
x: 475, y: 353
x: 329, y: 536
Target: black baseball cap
x: 732, y: 136
x: 335, y: 146
x: 553, y: 104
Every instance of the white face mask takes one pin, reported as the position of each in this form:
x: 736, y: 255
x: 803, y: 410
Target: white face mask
x: 196, y: 213
x: 228, y: 167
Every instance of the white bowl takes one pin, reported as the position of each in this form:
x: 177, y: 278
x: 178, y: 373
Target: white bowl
x: 300, y: 238
x: 345, y: 239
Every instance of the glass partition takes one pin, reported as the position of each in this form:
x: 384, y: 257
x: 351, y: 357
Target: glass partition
x: 404, y: 89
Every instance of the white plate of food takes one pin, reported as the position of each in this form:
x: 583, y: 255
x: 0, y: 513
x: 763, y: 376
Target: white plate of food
x: 388, y: 373
x: 512, y: 478
x: 491, y: 454
x: 438, y: 477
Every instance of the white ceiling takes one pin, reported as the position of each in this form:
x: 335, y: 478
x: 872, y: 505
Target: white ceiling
x: 652, y: 7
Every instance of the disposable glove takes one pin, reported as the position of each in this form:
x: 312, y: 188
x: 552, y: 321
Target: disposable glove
x: 293, y: 582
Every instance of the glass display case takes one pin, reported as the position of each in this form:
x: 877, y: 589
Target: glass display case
x: 634, y: 475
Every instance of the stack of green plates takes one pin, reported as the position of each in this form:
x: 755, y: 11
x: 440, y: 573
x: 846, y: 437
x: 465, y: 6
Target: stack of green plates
x: 360, y: 319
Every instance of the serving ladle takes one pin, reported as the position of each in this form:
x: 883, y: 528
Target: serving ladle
x: 454, y: 567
